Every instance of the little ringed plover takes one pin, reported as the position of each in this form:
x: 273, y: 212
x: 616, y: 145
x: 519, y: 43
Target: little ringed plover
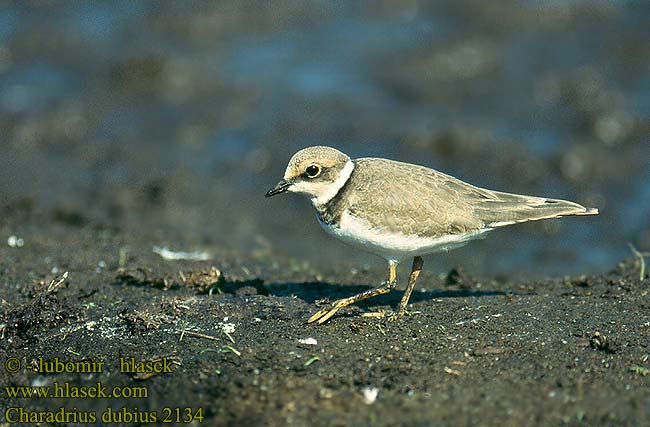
x: 399, y: 210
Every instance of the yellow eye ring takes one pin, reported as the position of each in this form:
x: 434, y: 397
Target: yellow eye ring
x: 312, y: 171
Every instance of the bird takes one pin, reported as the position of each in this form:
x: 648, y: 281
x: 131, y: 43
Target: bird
x: 399, y: 210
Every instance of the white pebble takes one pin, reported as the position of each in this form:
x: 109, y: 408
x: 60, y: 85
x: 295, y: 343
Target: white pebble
x: 15, y: 242
x: 308, y: 341
x: 228, y: 328
x: 370, y: 395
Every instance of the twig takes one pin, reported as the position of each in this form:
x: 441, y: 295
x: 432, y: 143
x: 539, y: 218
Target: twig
x: 122, y: 255
x: 229, y: 348
x: 56, y: 283
x: 195, y: 334
x: 232, y: 340
x: 451, y: 371
x: 70, y: 350
x: 641, y: 260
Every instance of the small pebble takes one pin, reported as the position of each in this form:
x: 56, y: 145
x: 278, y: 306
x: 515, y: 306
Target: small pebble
x: 15, y: 242
x: 370, y: 395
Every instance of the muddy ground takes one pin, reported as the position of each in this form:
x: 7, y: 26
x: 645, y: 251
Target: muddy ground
x: 475, y: 350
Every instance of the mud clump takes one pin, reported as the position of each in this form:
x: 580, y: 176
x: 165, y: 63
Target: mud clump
x: 36, y: 318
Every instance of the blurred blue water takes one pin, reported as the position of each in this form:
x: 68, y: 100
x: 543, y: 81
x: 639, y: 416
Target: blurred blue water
x: 551, y: 98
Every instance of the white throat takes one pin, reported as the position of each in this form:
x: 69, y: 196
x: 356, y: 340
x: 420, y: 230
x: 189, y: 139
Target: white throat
x: 333, y: 189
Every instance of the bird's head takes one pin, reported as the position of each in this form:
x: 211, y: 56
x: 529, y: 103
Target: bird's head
x: 318, y: 172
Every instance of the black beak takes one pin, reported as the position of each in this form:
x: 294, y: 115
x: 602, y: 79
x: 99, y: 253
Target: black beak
x: 280, y: 187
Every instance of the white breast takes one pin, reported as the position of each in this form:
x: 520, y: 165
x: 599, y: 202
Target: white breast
x: 394, y: 246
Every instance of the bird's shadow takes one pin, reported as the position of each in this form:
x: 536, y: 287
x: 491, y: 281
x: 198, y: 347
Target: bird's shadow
x: 309, y: 292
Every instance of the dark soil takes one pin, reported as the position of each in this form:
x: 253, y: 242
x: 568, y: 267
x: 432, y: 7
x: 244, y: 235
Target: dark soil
x: 474, y: 351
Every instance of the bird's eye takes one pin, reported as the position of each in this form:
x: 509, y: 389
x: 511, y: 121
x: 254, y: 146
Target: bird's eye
x: 312, y: 171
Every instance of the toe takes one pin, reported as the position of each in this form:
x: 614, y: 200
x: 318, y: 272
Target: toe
x: 318, y: 315
x: 395, y: 316
x: 327, y: 315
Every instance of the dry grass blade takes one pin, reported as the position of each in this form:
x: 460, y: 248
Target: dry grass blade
x: 184, y: 332
x: 641, y: 256
x: 56, y: 283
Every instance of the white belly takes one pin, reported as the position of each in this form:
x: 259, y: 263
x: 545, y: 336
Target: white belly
x: 394, y: 246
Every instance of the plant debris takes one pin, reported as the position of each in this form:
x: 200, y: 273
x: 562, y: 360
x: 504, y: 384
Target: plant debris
x: 601, y: 342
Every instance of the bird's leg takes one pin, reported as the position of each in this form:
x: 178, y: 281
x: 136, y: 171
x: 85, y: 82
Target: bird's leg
x: 323, y: 315
x: 415, y: 272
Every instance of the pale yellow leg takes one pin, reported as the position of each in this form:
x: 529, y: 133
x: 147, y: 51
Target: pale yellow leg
x: 418, y: 262
x: 323, y: 315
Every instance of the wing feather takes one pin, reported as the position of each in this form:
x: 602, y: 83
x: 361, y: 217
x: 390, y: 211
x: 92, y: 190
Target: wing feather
x: 401, y: 197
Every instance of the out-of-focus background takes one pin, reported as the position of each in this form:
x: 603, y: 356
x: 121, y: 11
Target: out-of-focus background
x: 169, y: 120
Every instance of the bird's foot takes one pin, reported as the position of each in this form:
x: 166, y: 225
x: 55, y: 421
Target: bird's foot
x: 324, y: 315
x: 396, y: 315
x: 375, y: 314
